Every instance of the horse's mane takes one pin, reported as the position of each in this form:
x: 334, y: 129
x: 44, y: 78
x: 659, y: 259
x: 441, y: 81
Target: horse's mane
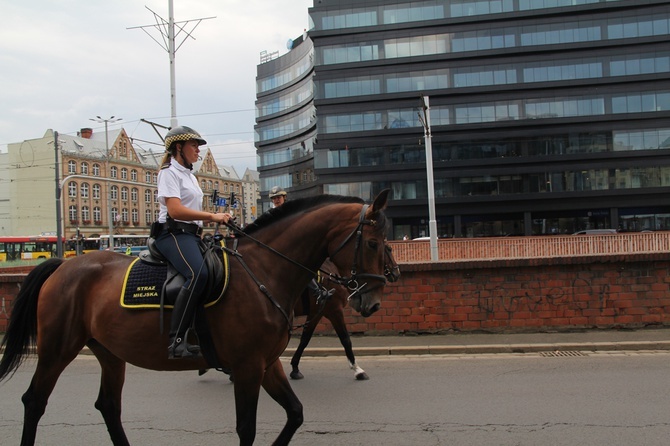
x: 293, y: 207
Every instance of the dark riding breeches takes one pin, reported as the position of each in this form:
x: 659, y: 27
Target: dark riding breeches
x: 183, y: 251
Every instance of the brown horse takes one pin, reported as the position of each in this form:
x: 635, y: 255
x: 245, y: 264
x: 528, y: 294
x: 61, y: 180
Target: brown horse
x: 65, y: 305
x: 333, y: 310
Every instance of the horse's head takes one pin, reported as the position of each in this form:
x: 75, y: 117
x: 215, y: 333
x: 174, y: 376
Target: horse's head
x: 363, y: 255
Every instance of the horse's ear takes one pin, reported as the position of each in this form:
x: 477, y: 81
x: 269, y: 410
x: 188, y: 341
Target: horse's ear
x: 380, y: 201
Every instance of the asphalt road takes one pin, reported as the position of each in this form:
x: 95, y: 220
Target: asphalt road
x: 600, y: 398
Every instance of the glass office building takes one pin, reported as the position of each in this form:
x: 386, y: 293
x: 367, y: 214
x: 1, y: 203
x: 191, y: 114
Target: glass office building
x: 546, y: 116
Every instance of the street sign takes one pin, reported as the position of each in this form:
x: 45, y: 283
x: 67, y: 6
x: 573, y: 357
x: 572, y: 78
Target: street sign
x: 221, y: 202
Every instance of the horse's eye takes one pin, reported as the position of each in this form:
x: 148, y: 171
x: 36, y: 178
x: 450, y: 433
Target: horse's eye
x: 373, y: 244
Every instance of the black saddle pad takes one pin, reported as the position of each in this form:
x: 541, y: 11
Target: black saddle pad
x: 143, y: 284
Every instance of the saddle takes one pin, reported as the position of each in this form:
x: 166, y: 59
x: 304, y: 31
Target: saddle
x: 151, y: 281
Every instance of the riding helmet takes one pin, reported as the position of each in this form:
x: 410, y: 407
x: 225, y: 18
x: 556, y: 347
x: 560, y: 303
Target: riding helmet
x: 277, y: 191
x: 182, y: 133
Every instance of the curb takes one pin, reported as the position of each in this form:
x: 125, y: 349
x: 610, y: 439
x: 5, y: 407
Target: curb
x: 486, y: 349
x: 474, y: 349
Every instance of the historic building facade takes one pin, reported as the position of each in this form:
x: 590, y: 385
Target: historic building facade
x: 98, y: 185
x: 546, y: 117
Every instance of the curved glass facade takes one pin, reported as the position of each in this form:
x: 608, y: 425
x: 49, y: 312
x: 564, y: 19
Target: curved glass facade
x: 285, y: 76
x: 286, y: 121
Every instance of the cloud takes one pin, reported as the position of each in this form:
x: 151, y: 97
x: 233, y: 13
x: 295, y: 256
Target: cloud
x: 65, y: 61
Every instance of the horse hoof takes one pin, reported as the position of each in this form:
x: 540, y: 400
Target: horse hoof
x: 202, y: 372
x: 296, y: 375
x: 362, y: 376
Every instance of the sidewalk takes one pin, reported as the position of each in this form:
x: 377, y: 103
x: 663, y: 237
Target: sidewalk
x: 460, y: 343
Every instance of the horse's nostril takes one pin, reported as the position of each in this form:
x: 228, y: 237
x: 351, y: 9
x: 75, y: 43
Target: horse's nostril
x: 374, y: 308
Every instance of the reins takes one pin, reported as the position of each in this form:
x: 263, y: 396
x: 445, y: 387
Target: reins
x: 350, y: 282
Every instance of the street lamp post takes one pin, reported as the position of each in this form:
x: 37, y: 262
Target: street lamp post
x: 432, y: 222
x: 109, y: 184
x: 59, y: 229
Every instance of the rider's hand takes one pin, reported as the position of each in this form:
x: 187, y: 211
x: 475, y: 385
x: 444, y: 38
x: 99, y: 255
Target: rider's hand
x: 221, y: 217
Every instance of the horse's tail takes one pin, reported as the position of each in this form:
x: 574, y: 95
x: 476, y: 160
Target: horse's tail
x: 21, y: 332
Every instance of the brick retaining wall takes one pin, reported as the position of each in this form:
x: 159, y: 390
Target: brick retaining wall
x: 503, y: 296
x: 522, y: 296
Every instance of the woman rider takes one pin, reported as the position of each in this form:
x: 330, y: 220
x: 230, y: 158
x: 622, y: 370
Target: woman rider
x: 180, y: 219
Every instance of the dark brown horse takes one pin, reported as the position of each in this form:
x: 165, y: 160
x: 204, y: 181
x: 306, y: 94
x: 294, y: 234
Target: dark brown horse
x: 333, y: 310
x: 65, y: 305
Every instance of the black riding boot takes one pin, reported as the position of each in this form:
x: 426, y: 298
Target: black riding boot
x: 182, y: 317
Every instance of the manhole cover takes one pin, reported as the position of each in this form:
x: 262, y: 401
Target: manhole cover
x: 561, y: 354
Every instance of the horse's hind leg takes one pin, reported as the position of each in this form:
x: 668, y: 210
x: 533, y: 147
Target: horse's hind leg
x: 35, y: 399
x: 306, y: 336
x: 278, y: 387
x: 111, y: 387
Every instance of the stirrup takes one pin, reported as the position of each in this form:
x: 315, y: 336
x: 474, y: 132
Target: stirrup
x: 180, y: 348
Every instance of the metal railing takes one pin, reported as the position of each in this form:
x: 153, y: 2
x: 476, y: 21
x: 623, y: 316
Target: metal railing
x: 496, y: 248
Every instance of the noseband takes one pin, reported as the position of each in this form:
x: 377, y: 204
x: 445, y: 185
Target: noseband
x: 352, y: 282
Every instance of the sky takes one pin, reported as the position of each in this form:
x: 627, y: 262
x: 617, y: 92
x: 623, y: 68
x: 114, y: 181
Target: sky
x: 63, y: 62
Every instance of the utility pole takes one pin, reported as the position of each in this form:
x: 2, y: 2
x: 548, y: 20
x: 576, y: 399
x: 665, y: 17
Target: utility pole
x: 166, y: 28
x: 59, y: 229
x: 432, y: 221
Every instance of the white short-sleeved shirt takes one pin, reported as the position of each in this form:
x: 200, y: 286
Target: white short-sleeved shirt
x: 177, y: 181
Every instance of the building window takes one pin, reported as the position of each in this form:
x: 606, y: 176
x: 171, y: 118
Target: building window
x: 147, y: 216
x: 156, y: 196
x: 135, y: 215
x: 72, y: 212
x: 133, y: 175
x: 113, y: 172
x: 84, y: 168
x: 97, y: 215
x: 71, y: 167
x: 115, y: 192
x: 72, y: 189
x: 96, y: 191
x: 147, y: 177
x: 84, y: 190
x: 154, y: 177
x: 115, y: 214
x: 124, y: 173
x: 133, y: 195
x: 147, y: 196
x: 96, y: 170
x: 124, y: 194
x: 85, y: 215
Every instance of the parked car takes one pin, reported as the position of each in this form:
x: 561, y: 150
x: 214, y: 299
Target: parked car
x: 595, y: 232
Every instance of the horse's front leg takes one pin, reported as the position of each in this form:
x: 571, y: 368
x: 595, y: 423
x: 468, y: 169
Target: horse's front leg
x: 247, y: 384
x: 277, y: 386
x: 341, y: 329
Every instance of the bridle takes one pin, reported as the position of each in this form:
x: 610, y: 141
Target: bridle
x: 352, y: 282
x: 391, y: 272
